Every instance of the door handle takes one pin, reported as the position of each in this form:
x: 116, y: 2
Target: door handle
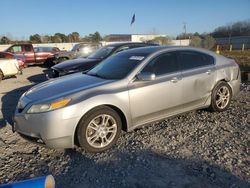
x: 174, y: 80
x: 208, y: 72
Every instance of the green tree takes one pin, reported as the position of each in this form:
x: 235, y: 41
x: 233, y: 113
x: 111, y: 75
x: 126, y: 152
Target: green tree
x: 63, y: 37
x: 56, y: 39
x: 208, y: 42
x: 95, y: 38
x: 196, y: 41
x: 36, y: 38
x: 45, y: 39
x: 5, y: 40
x: 75, y: 36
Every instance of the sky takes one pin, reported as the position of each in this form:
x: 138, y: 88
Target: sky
x: 21, y: 18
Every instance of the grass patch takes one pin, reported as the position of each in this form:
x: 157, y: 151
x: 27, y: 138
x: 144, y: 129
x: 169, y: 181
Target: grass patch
x: 242, y: 58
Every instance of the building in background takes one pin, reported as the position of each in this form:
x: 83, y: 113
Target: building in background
x: 236, y: 42
x: 131, y: 37
x: 140, y: 38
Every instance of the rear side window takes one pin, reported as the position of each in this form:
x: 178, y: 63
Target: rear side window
x: 192, y: 59
x: 27, y: 48
x: 163, y: 64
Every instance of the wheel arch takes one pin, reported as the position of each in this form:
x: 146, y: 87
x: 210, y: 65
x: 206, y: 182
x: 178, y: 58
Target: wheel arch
x: 226, y: 81
x: 115, y: 108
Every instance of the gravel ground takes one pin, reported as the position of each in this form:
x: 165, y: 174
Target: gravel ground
x: 193, y: 150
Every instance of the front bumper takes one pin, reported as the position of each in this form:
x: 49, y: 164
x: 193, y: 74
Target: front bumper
x: 55, y: 129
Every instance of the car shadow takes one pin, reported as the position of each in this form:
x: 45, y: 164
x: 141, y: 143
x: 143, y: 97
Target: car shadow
x: 144, y: 168
x: 38, y: 78
x: 10, y: 99
x: 9, y: 102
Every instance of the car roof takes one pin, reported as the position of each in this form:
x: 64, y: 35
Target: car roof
x: 130, y: 43
x: 143, y: 50
x: 152, y: 49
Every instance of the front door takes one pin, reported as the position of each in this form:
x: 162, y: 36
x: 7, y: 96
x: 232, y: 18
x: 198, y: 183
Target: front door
x: 155, y: 99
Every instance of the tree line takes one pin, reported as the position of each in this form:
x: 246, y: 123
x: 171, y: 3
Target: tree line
x: 205, y: 40
x: 56, y: 38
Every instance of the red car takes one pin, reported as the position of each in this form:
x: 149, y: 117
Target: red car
x: 39, y: 55
x: 19, y: 57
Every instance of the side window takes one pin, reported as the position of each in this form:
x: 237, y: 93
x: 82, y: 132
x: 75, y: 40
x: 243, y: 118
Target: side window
x: 191, y: 59
x: 15, y: 49
x: 163, y: 64
x: 27, y: 48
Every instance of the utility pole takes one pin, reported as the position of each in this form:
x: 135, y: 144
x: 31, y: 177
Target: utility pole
x: 185, y: 28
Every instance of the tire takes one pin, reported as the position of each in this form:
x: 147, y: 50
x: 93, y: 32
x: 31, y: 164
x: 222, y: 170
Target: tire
x: 99, y: 129
x: 221, y: 97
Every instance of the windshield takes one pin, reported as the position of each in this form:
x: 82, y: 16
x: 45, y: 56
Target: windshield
x: 101, y: 53
x: 75, y: 47
x: 117, y: 67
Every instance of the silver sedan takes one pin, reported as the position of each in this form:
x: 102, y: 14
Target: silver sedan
x: 128, y: 90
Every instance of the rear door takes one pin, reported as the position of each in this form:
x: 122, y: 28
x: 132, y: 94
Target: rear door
x: 151, y: 100
x: 198, y: 77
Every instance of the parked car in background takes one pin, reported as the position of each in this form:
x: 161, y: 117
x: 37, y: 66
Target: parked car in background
x: 127, y: 90
x: 47, y: 53
x: 31, y: 56
x: 85, y: 64
x: 78, y: 50
x: 19, y: 57
x: 8, y: 67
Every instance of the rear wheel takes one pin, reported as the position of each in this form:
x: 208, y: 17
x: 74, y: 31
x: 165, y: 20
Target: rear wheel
x: 221, y: 97
x: 99, y: 129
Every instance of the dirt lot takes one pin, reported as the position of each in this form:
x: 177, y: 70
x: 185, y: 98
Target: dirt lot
x: 198, y: 149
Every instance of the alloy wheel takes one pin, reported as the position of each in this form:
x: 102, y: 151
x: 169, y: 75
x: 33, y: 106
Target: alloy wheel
x: 101, y: 131
x: 222, y: 97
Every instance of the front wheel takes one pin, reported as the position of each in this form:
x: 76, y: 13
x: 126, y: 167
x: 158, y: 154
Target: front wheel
x: 99, y: 130
x: 221, y: 97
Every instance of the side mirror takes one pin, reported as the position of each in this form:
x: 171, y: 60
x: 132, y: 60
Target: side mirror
x: 146, y: 76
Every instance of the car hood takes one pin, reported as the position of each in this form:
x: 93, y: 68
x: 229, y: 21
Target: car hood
x: 74, y: 63
x: 65, y: 86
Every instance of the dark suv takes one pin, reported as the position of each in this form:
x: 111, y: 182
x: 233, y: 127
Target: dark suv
x: 85, y: 64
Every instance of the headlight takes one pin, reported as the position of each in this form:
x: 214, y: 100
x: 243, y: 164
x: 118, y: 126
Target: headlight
x: 36, y: 108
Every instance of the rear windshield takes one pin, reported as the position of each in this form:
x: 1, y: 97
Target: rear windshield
x: 101, y: 53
